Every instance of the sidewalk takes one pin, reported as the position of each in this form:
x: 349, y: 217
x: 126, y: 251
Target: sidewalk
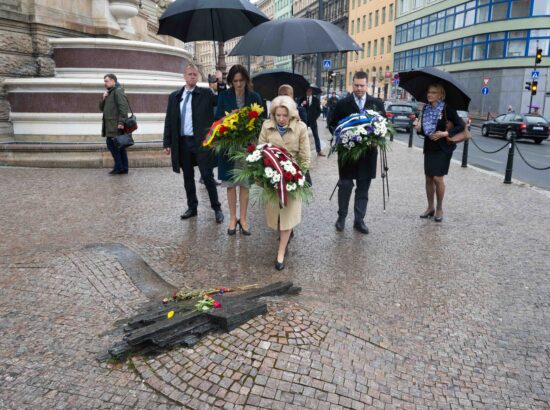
x: 414, y: 315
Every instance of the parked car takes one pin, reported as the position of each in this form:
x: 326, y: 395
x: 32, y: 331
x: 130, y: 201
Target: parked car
x: 523, y: 126
x: 401, y: 115
x: 465, y: 115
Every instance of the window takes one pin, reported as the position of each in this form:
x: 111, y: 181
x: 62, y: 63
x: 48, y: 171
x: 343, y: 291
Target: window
x: 357, y: 26
x: 389, y: 44
x: 482, y: 14
x: 363, y: 51
x: 375, y: 51
x: 390, y: 14
x: 517, y: 42
x: 382, y: 45
x: 352, y: 26
x: 376, y: 18
x: 380, y: 74
x: 383, y: 15
x: 370, y: 20
x: 541, y: 8
x: 368, y: 49
x: 499, y: 11
x: 353, y: 4
x: 364, y: 23
x: 519, y: 8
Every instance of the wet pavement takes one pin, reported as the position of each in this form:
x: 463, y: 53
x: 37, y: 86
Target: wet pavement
x: 414, y: 315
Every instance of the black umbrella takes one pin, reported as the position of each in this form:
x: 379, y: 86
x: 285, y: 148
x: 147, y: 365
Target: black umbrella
x: 216, y: 20
x: 294, y: 36
x: 416, y: 82
x: 267, y: 82
x: 316, y: 89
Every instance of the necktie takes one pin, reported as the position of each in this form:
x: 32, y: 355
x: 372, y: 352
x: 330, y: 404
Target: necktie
x: 183, y: 110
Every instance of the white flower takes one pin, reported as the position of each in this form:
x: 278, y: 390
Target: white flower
x: 359, y: 139
x: 351, y: 144
x: 293, y: 170
x: 268, y: 172
x: 301, y: 181
x: 253, y: 157
x: 275, y: 178
x: 291, y: 186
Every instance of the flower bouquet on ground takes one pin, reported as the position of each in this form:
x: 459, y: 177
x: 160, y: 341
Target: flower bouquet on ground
x: 358, y: 133
x: 275, y: 172
x: 235, y: 130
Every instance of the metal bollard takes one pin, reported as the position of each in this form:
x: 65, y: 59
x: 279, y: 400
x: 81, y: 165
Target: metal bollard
x: 510, y: 162
x: 465, y: 154
x: 411, y: 130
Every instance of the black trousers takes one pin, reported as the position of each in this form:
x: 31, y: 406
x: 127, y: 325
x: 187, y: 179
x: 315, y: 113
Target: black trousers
x: 345, y: 186
x: 188, y: 158
x: 315, y: 131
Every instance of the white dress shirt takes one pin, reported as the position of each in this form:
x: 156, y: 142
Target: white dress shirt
x: 188, y: 111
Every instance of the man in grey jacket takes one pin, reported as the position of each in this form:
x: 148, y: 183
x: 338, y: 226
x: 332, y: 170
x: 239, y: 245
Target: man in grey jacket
x: 114, y: 106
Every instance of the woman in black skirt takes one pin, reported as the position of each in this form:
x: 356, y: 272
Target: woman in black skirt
x: 439, y: 124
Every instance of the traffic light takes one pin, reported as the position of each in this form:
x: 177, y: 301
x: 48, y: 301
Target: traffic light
x: 534, y: 86
x: 528, y: 85
x: 538, y: 57
x: 330, y: 76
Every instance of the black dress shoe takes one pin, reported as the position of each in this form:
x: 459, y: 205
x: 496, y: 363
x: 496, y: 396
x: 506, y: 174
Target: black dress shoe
x: 361, y: 227
x: 219, y: 216
x: 190, y: 213
x: 428, y: 214
x: 340, y: 224
x: 116, y: 172
x: 242, y: 230
x: 280, y: 265
x: 124, y: 172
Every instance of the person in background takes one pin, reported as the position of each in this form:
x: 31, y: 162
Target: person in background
x: 114, y: 106
x: 285, y: 130
x: 188, y: 117
x: 313, y: 108
x: 287, y: 90
x: 438, y: 146
x: 237, y: 96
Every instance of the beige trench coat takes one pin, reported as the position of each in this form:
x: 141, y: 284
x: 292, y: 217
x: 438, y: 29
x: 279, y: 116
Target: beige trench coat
x: 296, y: 142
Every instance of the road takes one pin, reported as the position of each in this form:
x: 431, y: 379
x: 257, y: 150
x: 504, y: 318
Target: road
x: 537, y: 155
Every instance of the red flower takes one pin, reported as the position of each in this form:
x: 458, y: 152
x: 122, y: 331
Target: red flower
x: 288, y: 176
x: 252, y: 114
x: 297, y: 177
x: 267, y: 163
x: 222, y: 129
x: 251, y: 148
x: 217, y: 304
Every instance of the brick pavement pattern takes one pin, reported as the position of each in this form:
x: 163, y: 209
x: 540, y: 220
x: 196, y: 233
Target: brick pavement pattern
x: 414, y: 315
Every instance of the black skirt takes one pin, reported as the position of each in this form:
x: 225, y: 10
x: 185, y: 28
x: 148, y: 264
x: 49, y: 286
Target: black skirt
x: 436, y: 163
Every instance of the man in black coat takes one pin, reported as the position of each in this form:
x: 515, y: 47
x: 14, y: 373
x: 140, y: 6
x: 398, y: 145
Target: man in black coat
x: 313, y: 108
x: 364, y: 170
x: 189, y: 115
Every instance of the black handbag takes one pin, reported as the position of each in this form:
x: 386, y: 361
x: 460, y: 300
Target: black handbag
x: 130, y: 124
x: 123, y: 140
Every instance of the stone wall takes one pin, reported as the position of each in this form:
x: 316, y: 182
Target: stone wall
x: 26, y: 26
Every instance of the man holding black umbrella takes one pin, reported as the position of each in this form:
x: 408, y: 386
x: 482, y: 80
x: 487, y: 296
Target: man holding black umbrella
x: 364, y: 170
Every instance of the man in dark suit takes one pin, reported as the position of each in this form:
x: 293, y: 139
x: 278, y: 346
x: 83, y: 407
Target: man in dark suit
x: 313, y: 108
x: 188, y: 117
x: 364, y: 170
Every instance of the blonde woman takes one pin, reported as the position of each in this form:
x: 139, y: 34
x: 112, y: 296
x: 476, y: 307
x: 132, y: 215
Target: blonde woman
x: 285, y: 130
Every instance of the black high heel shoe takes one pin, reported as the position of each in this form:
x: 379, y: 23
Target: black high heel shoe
x: 242, y: 230
x: 233, y: 231
x: 280, y: 265
x: 438, y: 218
x: 428, y: 214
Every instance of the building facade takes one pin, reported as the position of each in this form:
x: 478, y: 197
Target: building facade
x: 259, y: 63
x: 336, y: 12
x: 282, y: 9
x: 485, y: 43
x: 372, y: 24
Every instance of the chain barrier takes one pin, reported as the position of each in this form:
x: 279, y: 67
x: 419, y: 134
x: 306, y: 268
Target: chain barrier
x: 488, y: 152
x: 528, y: 164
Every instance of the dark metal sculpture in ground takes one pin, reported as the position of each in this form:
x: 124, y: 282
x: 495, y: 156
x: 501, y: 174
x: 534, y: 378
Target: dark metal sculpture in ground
x: 155, y: 328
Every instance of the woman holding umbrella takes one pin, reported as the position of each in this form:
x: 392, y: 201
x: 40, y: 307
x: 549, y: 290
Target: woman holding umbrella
x: 237, y: 96
x: 439, y: 124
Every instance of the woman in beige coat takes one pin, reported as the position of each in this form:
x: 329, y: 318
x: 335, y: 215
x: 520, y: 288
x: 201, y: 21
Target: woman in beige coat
x: 285, y: 130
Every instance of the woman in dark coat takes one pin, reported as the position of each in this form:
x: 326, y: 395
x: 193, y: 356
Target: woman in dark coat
x: 237, y: 96
x: 438, y: 146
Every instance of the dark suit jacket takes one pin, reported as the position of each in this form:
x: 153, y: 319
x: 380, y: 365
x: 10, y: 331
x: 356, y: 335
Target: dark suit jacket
x: 365, y: 168
x: 313, y: 110
x: 202, y: 103
x: 448, y: 114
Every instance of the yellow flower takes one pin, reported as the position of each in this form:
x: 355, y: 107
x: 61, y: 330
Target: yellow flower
x: 170, y: 314
x: 256, y: 107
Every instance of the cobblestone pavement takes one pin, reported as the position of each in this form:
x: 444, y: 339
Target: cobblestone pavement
x: 414, y: 315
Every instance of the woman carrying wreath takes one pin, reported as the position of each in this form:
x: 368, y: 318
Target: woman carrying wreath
x: 440, y: 124
x: 237, y: 96
x: 285, y: 130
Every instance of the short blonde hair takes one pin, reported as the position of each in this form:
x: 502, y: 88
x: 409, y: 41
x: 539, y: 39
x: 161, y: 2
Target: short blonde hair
x: 286, y: 89
x: 286, y: 102
x: 439, y: 89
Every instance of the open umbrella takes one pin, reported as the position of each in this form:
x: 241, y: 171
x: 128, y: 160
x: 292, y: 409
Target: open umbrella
x: 316, y: 89
x: 267, y: 82
x: 216, y: 20
x: 294, y: 36
x: 416, y: 82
